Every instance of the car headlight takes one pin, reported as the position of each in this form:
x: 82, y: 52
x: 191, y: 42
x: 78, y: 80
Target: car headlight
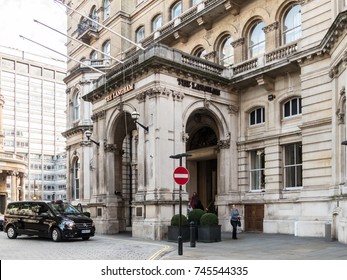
x: 69, y: 224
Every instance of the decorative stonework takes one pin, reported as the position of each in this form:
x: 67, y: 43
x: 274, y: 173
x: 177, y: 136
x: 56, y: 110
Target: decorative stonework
x: 177, y: 96
x: 210, y: 56
x: 341, y: 112
x: 110, y: 148
x: 233, y: 109
x: 271, y: 27
x: 238, y: 42
x: 224, y: 144
x: 184, y: 136
x: 98, y: 115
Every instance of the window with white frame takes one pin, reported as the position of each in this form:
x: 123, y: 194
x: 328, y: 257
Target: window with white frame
x: 106, y: 48
x: 293, y: 165
x: 200, y: 52
x: 107, y: 8
x: 176, y: 10
x: 292, y: 24
x: 157, y: 22
x: 256, y: 43
x: 257, y: 170
x: 292, y: 107
x: 94, y: 55
x: 76, y: 180
x: 226, y: 52
x: 257, y: 116
x: 76, y: 106
x: 140, y: 34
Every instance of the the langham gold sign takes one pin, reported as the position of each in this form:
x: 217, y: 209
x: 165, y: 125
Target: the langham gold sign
x: 119, y: 92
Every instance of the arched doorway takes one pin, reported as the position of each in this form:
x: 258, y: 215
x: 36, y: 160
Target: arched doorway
x: 120, y: 158
x: 203, y: 164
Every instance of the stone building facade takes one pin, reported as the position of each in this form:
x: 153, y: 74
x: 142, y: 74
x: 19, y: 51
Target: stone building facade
x: 254, y: 91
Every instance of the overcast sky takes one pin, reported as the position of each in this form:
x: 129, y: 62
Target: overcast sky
x: 17, y: 18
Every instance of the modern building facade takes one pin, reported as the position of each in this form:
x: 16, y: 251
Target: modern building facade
x: 33, y: 121
x: 253, y: 90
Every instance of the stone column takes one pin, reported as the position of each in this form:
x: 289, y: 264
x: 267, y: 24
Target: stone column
x: 272, y: 36
x: 239, y: 53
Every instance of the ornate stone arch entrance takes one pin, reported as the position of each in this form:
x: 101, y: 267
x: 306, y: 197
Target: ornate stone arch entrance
x: 203, y: 129
x: 120, y: 153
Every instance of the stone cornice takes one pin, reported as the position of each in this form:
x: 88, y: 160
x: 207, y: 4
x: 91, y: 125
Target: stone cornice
x: 76, y: 130
x: 337, y: 29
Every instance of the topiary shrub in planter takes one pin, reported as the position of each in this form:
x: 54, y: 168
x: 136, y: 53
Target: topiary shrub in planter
x: 195, y: 215
x: 173, y: 229
x: 209, y: 230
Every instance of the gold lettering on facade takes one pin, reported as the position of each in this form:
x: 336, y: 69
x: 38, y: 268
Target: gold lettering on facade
x: 119, y: 92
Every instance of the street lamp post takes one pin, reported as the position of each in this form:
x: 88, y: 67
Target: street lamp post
x: 180, y: 241
x: 135, y: 116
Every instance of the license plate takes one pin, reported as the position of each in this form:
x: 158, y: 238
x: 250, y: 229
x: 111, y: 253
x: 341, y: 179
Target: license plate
x: 85, y: 231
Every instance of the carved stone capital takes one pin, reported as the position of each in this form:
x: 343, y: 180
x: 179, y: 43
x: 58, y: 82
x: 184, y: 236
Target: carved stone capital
x: 238, y: 43
x: 98, y: 115
x: 224, y: 143
x: 233, y: 109
x: 110, y: 148
x: 271, y: 27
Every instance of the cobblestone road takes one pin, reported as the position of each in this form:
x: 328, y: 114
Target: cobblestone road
x: 99, y: 247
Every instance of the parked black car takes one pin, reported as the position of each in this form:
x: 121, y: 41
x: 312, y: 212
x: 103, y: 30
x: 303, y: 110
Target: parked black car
x: 57, y: 220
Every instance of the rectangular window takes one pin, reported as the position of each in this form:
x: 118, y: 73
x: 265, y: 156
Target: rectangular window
x: 257, y: 170
x: 293, y: 165
x: 257, y: 116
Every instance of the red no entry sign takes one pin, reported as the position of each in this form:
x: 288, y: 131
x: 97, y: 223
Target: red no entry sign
x: 181, y: 175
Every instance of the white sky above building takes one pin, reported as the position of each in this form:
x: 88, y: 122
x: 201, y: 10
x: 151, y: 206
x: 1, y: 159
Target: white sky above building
x: 17, y: 18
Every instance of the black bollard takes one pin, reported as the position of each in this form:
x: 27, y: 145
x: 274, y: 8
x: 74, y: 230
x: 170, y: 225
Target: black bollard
x: 192, y: 234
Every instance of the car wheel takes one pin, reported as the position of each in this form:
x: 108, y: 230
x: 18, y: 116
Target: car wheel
x: 56, y: 235
x: 85, y: 237
x: 11, y: 233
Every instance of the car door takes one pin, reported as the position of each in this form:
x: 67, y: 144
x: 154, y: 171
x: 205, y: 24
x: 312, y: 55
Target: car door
x: 41, y: 220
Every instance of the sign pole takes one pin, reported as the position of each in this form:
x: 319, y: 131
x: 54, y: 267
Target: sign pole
x: 180, y: 180
x: 180, y: 241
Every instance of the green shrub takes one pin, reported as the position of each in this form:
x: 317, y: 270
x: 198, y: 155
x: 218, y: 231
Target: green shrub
x: 175, y: 220
x: 195, y: 215
x: 209, y: 219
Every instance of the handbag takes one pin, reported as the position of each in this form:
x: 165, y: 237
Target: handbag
x: 239, y: 223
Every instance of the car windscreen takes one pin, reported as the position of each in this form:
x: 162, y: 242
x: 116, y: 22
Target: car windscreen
x: 64, y: 208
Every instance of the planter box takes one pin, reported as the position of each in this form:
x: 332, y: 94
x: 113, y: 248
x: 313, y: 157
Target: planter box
x: 172, y: 233
x: 209, y: 233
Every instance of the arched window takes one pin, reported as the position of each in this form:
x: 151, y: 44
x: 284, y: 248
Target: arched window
x: 75, y: 180
x: 292, y: 107
x: 106, y: 48
x: 93, y: 13
x: 76, y: 106
x: 157, y: 22
x: 140, y: 34
x: 256, y: 44
x: 292, y: 24
x: 94, y: 55
x: 257, y: 116
x: 200, y: 52
x: 176, y: 9
x: 226, y: 52
x: 107, y: 9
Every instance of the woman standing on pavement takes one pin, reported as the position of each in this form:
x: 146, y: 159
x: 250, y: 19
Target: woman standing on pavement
x: 234, y: 218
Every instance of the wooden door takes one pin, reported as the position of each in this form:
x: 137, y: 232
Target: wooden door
x: 254, y: 216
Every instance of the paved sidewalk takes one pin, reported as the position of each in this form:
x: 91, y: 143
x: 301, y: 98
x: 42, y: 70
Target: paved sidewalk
x: 260, y: 246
